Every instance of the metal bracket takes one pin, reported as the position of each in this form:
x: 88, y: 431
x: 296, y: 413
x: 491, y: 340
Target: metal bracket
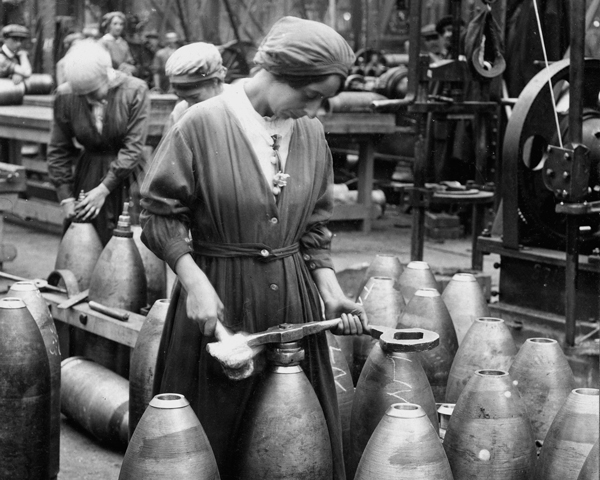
x: 567, y: 172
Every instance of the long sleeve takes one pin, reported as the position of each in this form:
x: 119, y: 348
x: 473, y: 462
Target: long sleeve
x: 167, y: 193
x: 315, y: 243
x: 7, y: 67
x: 61, y: 150
x: 130, y: 154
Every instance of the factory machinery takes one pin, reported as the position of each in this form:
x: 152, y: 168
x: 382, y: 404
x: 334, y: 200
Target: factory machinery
x: 547, y: 176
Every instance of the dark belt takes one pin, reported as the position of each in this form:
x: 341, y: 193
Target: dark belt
x: 259, y: 251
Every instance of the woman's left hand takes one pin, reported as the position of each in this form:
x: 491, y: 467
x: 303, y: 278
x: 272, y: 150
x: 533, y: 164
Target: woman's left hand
x: 353, y: 316
x: 90, y: 206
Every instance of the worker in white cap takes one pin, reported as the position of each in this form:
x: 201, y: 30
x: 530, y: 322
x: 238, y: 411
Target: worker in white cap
x: 107, y: 112
x: 14, y: 62
x: 196, y: 73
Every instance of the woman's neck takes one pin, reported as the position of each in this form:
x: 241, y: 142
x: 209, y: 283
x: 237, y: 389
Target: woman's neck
x: 256, y: 89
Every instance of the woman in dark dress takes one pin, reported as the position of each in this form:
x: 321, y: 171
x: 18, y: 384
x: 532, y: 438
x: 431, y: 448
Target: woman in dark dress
x: 106, y: 112
x: 236, y: 200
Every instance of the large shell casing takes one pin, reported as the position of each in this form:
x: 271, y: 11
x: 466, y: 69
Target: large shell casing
x: 79, y: 251
x: 384, y: 306
x: 416, y: 275
x: 97, y: 399
x: 169, y: 442
x: 25, y: 395
x: 544, y: 380
x: 489, y: 434
x: 387, y: 378
x: 37, y: 306
x: 143, y: 362
x: 284, y: 434
x: 570, y: 437
x: 154, y: 267
x: 487, y: 345
x: 404, y: 446
x: 344, y: 389
x: 427, y: 310
x: 465, y: 301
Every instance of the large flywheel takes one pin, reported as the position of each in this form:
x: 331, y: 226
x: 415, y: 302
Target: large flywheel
x: 530, y: 130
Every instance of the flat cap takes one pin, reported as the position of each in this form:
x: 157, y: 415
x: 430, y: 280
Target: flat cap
x: 194, y: 63
x: 428, y: 31
x: 14, y: 30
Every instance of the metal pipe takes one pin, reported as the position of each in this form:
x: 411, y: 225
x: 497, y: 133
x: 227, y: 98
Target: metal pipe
x: 576, y: 86
x: 571, y: 267
x: 414, y: 64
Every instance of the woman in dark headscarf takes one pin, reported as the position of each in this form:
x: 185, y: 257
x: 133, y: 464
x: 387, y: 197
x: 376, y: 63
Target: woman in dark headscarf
x: 249, y: 175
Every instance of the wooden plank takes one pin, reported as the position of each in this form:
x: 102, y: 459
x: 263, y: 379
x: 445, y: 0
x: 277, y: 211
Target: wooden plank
x: 83, y: 317
x: 40, y: 210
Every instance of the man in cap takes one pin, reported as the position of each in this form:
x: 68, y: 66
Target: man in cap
x: 161, y: 81
x: 14, y: 62
x: 196, y: 73
x: 430, y: 43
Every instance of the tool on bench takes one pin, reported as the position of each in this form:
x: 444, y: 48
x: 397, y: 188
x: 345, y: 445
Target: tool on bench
x: 116, y: 313
x: 38, y: 282
x: 236, y: 353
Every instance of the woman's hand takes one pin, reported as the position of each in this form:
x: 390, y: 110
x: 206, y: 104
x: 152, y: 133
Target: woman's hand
x: 203, y: 304
x: 353, y: 316
x: 90, y: 206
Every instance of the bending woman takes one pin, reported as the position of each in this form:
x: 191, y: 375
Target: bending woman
x: 249, y: 173
x: 106, y: 112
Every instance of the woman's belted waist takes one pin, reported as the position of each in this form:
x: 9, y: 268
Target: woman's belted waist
x: 259, y: 251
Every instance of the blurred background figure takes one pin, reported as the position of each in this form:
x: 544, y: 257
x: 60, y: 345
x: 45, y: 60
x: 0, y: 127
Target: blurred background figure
x: 91, y: 32
x: 145, y: 60
x: 444, y: 29
x: 113, y: 24
x: 161, y: 80
x: 196, y: 73
x: 14, y: 62
x: 430, y: 43
x: 68, y: 42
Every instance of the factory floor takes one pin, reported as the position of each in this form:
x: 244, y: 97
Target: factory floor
x: 82, y: 457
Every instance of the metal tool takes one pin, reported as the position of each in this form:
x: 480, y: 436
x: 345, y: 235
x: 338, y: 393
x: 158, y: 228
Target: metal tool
x: 111, y: 312
x: 75, y: 299
x: 399, y: 340
x: 38, y: 282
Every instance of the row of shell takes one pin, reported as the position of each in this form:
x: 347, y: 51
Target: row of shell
x: 540, y: 379
x: 124, y: 274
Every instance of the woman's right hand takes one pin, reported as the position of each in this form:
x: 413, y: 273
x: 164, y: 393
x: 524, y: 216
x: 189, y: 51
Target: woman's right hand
x: 204, y: 307
x: 203, y: 304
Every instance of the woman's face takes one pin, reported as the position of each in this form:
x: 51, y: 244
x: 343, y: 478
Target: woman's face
x: 287, y: 102
x: 115, y: 28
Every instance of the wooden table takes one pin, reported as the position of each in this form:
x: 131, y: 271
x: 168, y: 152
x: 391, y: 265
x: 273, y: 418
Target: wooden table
x: 32, y: 122
x: 361, y: 128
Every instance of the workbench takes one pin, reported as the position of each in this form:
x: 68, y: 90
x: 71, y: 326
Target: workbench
x: 32, y: 121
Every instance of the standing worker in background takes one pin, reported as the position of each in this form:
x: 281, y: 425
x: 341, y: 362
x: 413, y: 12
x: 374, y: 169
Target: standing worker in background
x: 107, y: 113
x: 113, y: 24
x: 14, y: 62
x: 161, y: 79
x: 196, y: 73
x: 250, y: 175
